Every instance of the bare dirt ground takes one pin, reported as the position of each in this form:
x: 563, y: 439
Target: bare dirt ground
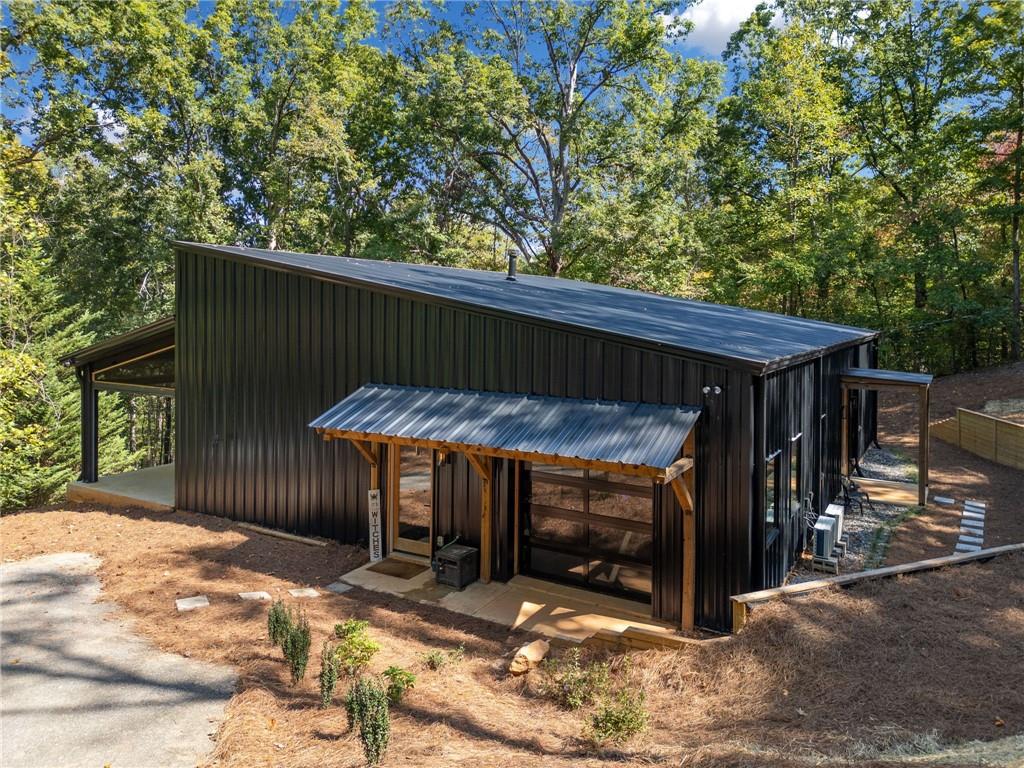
x: 925, y: 669
x: 955, y: 472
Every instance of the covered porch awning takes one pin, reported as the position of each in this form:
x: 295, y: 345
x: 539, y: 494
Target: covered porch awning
x: 881, y: 379
x: 633, y: 438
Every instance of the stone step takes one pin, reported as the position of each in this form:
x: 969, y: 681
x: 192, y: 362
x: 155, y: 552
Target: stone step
x: 968, y: 539
x: 946, y: 500
x: 978, y: 525
x: 974, y: 502
x: 191, y: 603
x: 304, y: 592
x: 254, y: 595
x: 974, y: 515
x: 967, y: 547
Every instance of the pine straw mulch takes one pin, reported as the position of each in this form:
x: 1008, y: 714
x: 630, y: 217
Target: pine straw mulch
x: 955, y: 472
x: 894, y: 667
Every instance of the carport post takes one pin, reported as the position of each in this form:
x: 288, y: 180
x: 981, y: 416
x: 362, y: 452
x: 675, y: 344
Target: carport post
x: 90, y: 425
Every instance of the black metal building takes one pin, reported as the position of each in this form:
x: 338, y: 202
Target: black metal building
x: 268, y: 343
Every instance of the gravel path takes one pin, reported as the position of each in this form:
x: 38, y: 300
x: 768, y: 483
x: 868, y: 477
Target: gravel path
x: 79, y: 689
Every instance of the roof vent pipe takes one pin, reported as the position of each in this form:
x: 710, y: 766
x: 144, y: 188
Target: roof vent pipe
x: 511, y: 267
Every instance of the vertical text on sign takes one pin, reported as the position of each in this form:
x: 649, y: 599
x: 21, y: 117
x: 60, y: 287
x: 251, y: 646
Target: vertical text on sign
x: 376, y: 541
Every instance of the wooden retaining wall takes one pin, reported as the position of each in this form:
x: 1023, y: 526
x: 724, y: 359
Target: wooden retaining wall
x: 987, y: 436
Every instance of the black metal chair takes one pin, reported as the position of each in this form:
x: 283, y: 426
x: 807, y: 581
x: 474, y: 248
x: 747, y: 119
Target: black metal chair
x: 854, y: 495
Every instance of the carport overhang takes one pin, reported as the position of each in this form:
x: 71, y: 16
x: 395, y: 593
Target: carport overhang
x: 877, y: 379
x: 140, y: 362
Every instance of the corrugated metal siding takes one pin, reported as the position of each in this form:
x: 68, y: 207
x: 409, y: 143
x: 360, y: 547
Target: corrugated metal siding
x: 805, y: 399
x: 261, y: 353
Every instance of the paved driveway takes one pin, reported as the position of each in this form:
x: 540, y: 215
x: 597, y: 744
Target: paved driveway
x: 79, y: 689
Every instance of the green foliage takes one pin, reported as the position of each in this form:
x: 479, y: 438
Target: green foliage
x: 436, y: 659
x: 279, y: 623
x: 572, y: 683
x: 328, y: 674
x: 399, y: 681
x: 296, y: 648
x: 367, y: 709
x: 356, y: 648
x: 620, y: 717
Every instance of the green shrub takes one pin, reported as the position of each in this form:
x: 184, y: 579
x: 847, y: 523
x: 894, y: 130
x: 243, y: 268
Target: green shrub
x: 619, y: 718
x: 436, y: 659
x: 279, y: 623
x: 296, y: 648
x: 328, y: 674
x: 571, y: 683
x: 356, y: 648
x: 367, y: 708
x: 399, y: 681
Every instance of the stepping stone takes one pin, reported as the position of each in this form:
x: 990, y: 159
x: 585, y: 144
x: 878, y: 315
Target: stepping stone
x: 943, y: 500
x: 304, y: 592
x: 965, y: 539
x: 254, y: 595
x: 967, y: 547
x: 974, y: 515
x: 191, y: 603
x: 974, y: 503
x: 976, y: 524
x: 339, y: 587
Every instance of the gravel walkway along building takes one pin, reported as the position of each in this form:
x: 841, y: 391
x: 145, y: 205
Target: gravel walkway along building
x: 79, y: 689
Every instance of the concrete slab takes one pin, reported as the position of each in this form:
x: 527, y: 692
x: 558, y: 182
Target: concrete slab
x: 191, y: 603
x: 550, y: 609
x: 974, y: 503
x: 81, y: 690
x: 945, y: 500
x: 967, y: 547
x: 303, y: 592
x: 973, y: 515
x: 968, y: 539
x: 339, y: 587
x: 254, y: 595
x: 150, y: 488
x: 972, y: 523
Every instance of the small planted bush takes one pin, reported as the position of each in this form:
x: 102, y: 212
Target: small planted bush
x: 572, y: 683
x: 356, y: 648
x: 328, y: 674
x: 296, y: 648
x: 620, y: 717
x: 436, y: 659
x: 399, y: 681
x: 279, y: 623
x: 367, y: 708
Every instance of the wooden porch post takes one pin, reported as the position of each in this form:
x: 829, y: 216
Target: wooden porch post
x: 482, y: 466
x: 922, y: 447
x: 684, y: 488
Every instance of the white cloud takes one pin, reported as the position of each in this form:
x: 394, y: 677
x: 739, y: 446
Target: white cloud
x: 714, y: 21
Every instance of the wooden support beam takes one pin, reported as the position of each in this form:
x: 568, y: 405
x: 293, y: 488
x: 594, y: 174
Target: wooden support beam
x: 366, y: 450
x: 684, y: 496
x: 677, y: 468
x: 482, y: 466
x: 844, y: 434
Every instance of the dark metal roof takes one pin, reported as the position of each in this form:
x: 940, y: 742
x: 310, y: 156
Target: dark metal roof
x: 155, y: 334
x: 629, y: 435
x: 757, y: 341
x: 885, y: 377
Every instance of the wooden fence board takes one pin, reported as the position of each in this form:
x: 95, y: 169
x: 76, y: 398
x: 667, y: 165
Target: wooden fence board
x: 990, y: 437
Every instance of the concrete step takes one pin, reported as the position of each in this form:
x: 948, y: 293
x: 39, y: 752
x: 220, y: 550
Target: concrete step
x: 966, y: 539
x: 977, y: 525
x: 974, y: 515
x: 967, y: 547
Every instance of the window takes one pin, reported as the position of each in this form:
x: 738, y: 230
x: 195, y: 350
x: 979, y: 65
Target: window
x: 771, y: 491
x: 795, y: 499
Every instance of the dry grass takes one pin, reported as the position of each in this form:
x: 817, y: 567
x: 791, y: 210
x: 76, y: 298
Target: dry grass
x: 858, y: 677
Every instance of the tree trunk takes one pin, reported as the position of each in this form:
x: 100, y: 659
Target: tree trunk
x: 1015, y: 243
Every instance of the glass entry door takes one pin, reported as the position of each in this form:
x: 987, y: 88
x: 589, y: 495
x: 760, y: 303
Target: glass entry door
x: 411, y: 509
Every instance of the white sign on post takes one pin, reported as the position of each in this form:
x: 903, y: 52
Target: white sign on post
x: 376, y: 540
